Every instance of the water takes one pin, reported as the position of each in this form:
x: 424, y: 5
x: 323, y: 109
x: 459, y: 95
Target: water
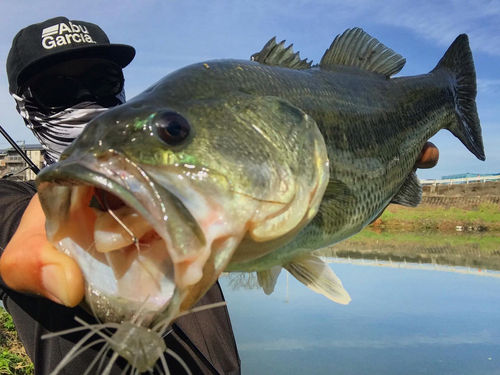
x: 403, y: 319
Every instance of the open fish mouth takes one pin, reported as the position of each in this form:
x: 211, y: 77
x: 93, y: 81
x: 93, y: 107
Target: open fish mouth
x: 138, y: 246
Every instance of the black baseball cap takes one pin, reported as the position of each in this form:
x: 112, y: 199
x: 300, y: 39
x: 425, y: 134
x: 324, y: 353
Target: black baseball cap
x: 57, y: 40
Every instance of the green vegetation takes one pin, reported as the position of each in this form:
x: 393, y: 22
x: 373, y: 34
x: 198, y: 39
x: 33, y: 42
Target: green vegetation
x: 485, y: 216
x: 485, y: 212
x: 487, y: 242
x: 13, y: 357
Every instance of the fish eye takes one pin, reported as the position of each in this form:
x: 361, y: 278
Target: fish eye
x: 172, y: 128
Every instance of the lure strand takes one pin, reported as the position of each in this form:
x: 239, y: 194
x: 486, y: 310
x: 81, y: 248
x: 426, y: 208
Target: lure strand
x: 180, y: 360
x: 162, y: 325
x: 92, y: 364
x: 111, y: 362
x: 69, y: 356
x: 164, y: 362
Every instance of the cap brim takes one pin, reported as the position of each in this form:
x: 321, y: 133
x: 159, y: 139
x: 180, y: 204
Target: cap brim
x: 120, y: 54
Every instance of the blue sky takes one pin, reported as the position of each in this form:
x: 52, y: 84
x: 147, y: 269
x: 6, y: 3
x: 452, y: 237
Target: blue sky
x: 171, y: 34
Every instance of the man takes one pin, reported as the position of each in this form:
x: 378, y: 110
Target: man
x: 62, y: 74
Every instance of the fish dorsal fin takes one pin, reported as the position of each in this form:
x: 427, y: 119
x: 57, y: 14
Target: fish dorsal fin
x: 410, y: 193
x: 356, y: 48
x: 268, y: 278
x: 318, y: 276
x: 276, y: 54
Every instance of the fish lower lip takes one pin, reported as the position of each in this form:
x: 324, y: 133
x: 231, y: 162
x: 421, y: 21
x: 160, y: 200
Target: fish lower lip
x: 126, y: 263
x: 151, y: 261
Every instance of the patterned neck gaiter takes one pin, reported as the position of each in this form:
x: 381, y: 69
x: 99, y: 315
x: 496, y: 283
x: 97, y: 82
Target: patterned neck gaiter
x: 56, y: 130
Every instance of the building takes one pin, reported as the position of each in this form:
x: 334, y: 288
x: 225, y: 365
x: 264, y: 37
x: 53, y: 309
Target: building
x: 469, y: 175
x: 13, y: 165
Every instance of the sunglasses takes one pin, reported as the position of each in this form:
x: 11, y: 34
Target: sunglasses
x: 56, y: 91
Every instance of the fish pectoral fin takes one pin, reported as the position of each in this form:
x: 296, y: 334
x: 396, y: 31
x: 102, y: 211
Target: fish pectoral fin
x: 318, y: 276
x: 275, y: 54
x: 340, y: 193
x: 410, y: 193
x: 356, y: 48
x: 337, y: 200
x: 268, y: 278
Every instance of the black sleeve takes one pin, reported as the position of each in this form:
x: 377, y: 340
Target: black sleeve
x: 14, y: 198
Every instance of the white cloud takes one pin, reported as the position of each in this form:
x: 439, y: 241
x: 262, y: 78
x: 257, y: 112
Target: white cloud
x: 437, y: 21
x: 442, y: 21
x: 488, y: 85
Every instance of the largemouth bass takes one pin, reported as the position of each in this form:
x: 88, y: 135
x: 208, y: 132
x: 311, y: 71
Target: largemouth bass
x: 246, y: 166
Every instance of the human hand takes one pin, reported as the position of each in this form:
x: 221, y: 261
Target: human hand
x: 31, y: 264
x: 428, y: 158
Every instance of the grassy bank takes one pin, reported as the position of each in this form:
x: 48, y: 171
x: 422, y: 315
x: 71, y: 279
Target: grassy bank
x: 486, y: 242
x: 13, y: 358
x: 485, y: 216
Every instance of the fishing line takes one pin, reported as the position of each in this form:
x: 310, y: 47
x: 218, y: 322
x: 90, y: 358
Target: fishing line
x: 135, y: 240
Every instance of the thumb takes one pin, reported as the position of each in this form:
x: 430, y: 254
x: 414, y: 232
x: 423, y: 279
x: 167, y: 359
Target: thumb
x: 31, y: 264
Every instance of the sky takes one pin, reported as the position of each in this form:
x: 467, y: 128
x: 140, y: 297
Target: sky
x: 171, y: 34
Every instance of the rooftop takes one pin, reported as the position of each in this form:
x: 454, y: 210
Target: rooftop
x: 26, y: 147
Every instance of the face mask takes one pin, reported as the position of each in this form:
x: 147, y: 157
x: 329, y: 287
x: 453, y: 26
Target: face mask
x: 56, y: 130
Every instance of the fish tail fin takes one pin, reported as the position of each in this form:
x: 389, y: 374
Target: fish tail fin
x: 459, y: 63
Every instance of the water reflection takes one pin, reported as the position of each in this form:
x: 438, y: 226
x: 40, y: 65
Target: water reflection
x: 403, y: 319
x: 472, y: 250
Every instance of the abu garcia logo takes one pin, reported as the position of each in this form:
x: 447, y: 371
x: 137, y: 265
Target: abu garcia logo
x: 62, y: 34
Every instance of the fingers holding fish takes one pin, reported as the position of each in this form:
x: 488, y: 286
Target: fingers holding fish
x: 46, y: 271
x: 428, y: 157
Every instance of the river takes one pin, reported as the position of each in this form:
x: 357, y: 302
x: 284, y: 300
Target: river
x: 418, y: 311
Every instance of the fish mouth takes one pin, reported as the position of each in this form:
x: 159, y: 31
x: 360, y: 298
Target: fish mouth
x: 138, y: 246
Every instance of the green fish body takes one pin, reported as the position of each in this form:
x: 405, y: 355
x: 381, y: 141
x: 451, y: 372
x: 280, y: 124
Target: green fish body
x: 248, y: 166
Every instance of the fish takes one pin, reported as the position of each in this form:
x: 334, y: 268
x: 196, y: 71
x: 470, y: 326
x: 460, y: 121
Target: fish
x: 245, y: 166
